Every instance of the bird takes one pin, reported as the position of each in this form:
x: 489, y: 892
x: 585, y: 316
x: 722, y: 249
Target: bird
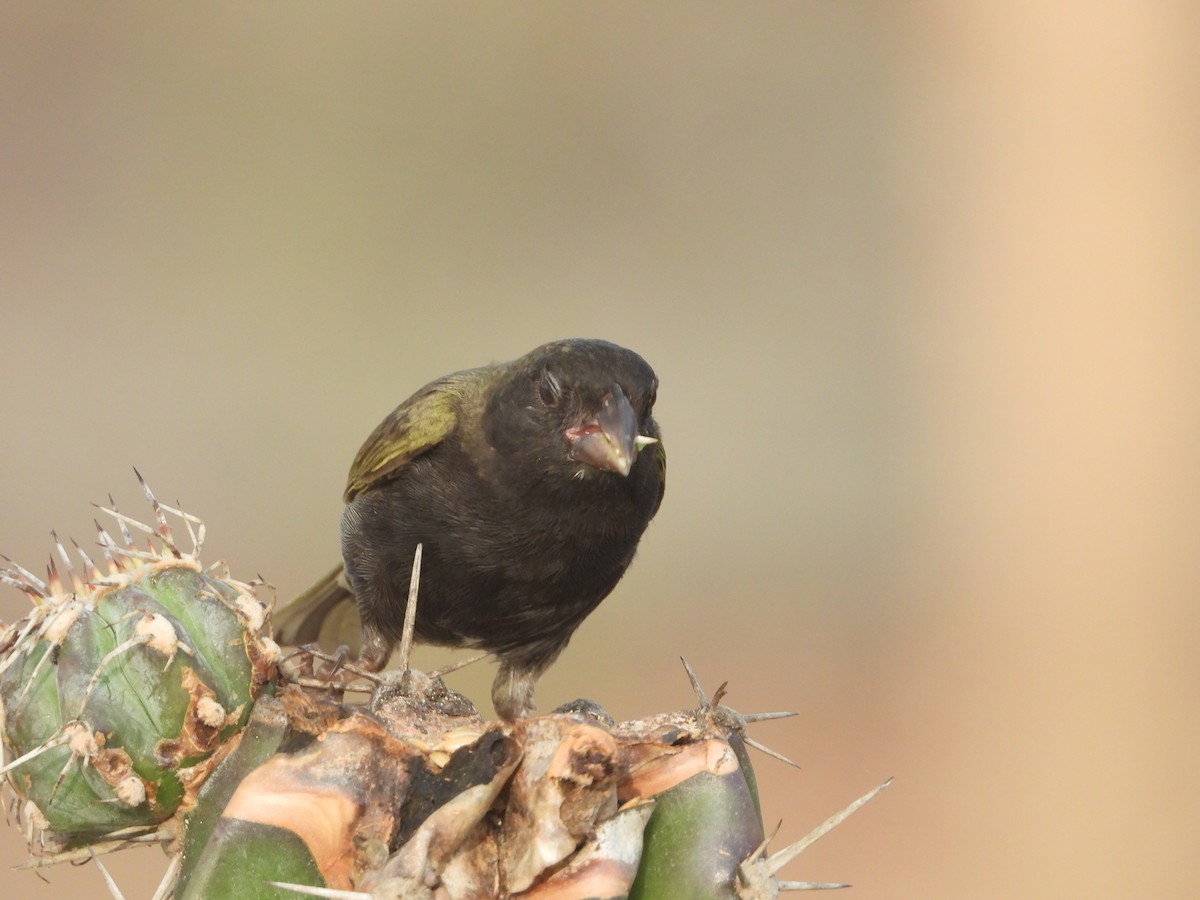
x: 528, y: 485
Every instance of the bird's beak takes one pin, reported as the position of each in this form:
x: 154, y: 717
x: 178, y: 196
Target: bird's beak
x: 609, y: 440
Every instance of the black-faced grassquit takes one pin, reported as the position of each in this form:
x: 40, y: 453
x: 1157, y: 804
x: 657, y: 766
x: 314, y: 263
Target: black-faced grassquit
x: 528, y: 483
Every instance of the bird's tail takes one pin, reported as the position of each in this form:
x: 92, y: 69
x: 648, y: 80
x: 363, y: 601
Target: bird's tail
x: 325, y: 614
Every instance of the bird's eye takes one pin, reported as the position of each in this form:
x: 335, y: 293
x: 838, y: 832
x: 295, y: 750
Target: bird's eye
x: 652, y: 395
x: 549, y: 389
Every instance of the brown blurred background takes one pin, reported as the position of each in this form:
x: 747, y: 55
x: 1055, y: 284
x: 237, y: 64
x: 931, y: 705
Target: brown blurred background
x: 920, y: 281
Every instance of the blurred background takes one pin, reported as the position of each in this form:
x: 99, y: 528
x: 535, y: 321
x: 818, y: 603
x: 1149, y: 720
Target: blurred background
x: 920, y: 282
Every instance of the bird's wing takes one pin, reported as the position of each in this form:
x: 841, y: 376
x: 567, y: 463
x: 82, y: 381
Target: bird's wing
x: 414, y: 427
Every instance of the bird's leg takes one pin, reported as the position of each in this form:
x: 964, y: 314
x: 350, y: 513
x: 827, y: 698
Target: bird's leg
x: 376, y: 648
x: 512, y: 691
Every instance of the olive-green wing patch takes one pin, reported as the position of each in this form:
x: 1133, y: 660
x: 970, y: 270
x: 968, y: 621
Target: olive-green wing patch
x: 414, y: 427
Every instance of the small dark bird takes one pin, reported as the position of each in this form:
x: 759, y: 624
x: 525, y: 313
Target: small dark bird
x: 529, y: 485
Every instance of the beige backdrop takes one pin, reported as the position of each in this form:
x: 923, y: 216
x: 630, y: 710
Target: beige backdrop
x: 920, y: 282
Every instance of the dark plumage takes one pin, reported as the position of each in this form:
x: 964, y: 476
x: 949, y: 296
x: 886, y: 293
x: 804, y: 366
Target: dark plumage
x: 529, y: 484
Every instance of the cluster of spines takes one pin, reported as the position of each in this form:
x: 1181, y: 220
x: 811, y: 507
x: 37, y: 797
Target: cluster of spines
x: 62, y: 595
x: 120, y: 557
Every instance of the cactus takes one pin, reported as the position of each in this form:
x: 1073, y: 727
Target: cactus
x: 120, y: 684
x: 150, y: 700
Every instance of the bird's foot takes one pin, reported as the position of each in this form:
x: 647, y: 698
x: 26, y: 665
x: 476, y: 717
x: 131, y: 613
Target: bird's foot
x: 310, y: 667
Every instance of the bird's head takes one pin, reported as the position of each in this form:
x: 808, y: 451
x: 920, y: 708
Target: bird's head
x: 586, y: 405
